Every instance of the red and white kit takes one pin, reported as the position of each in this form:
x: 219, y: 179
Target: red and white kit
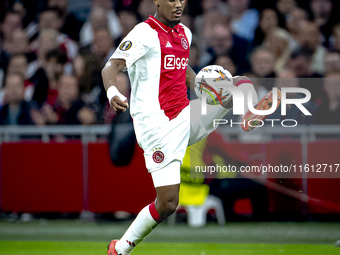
x: 157, y: 57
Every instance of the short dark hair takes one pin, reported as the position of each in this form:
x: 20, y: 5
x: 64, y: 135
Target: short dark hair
x: 58, y: 54
x: 56, y: 10
x: 11, y: 12
x: 303, y: 51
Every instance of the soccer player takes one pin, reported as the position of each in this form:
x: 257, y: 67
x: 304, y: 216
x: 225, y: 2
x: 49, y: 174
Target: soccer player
x: 156, y: 54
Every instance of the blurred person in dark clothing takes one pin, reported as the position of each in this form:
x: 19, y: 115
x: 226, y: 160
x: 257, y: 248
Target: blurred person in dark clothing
x: 18, y: 64
x: 244, y: 20
x: 11, y: 21
x: 226, y: 63
x: 68, y: 109
x: 335, y: 40
x: 293, y: 23
x: 70, y: 24
x: 128, y: 20
x: 52, y: 19
x: 268, y: 21
x: 329, y: 111
x: 288, y: 79
x: 16, y: 111
x: 283, y: 7
x: 102, y: 14
x: 263, y: 66
x: 47, y: 77
x: 146, y: 8
x: 89, y: 64
x: 324, y: 18
x: 310, y: 37
x: 301, y: 63
x: 224, y: 43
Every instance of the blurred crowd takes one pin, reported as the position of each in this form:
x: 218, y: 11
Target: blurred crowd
x: 52, y: 53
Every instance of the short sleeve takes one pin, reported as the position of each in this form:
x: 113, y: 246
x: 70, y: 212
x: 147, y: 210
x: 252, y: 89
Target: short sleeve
x: 134, y: 45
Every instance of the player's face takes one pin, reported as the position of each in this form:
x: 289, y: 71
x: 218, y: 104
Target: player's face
x: 170, y: 10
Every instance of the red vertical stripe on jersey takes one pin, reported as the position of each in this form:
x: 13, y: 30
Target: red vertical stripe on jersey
x: 174, y: 60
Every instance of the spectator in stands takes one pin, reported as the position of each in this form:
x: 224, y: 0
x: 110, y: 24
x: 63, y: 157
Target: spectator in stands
x: 335, y: 39
x: 284, y: 7
x: 18, y: 42
x: 93, y: 59
x: 213, y: 12
x: 52, y: 19
x: 224, y: 43
x: 16, y: 111
x: 226, y: 63
x: 146, y: 8
x: 68, y: 109
x: 243, y: 20
x: 11, y: 22
x: 310, y: 37
x: 47, y: 77
x: 128, y: 20
x: 70, y: 24
x: 278, y: 43
x: 263, y: 66
x: 47, y: 41
x: 18, y: 64
x: 194, y: 56
x: 332, y: 61
x: 101, y: 15
x: 293, y: 24
x: 329, y: 111
x: 301, y: 62
x: 287, y: 79
x: 268, y: 21
x: 323, y: 18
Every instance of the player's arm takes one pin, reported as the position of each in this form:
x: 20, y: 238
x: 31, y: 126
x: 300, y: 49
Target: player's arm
x: 110, y: 71
x: 190, y: 78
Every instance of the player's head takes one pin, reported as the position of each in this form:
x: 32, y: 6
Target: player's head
x: 169, y: 11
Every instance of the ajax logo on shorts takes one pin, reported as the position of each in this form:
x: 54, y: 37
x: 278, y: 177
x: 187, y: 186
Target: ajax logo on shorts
x: 158, y: 156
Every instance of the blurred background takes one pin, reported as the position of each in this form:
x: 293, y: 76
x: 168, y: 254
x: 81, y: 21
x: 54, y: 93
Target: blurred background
x: 60, y: 139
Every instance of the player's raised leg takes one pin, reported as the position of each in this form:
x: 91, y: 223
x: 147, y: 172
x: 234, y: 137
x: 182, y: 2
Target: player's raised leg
x: 167, y: 182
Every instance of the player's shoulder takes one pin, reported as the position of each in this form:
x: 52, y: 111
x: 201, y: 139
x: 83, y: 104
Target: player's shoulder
x: 143, y: 27
x: 187, y: 31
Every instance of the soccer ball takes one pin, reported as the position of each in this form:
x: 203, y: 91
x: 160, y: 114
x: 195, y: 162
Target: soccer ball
x: 211, y: 82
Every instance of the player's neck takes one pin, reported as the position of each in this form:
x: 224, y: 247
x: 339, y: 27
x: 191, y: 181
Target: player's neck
x: 166, y: 22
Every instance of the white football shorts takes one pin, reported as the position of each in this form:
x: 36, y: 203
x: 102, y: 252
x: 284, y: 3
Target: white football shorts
x: 167, y: 140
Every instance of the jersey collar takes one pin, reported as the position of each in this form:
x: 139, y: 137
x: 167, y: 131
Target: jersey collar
x: 165, y: 28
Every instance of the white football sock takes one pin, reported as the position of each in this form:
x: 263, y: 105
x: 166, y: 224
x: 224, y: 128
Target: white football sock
x: 145, y: 222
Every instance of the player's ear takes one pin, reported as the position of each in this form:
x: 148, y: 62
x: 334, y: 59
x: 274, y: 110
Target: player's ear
x: 156, y: 2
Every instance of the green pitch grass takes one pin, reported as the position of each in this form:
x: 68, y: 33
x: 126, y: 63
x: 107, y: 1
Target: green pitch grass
x: 72, y: 237
x: 92, y: 248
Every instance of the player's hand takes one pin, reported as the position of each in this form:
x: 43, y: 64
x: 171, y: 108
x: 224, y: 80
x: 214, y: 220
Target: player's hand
x: 118, y: 105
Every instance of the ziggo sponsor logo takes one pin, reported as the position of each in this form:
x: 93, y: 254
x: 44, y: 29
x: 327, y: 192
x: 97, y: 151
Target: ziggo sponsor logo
x: 171, y: 62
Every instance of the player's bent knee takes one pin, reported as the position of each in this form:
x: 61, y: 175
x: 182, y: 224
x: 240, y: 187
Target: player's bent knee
x: 166, y: 207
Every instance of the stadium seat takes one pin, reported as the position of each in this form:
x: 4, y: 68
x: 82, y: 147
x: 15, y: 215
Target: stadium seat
x: 197, y: 214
